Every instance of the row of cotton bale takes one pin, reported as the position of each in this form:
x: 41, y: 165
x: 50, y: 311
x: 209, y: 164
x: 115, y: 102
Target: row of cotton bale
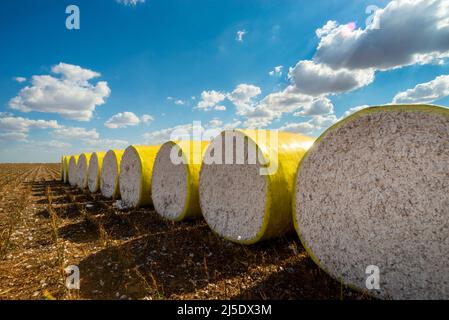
x: 373, y: 190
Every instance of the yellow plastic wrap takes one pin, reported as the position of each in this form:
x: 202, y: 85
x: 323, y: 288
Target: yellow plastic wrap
x: 66, y: 168
x: 147, y: 155
x: 192, y: 153
x: 62, y: 168
x: 118, y: 156
x: 100, y: 157
x: 83, y: 184
x: 281, y: 158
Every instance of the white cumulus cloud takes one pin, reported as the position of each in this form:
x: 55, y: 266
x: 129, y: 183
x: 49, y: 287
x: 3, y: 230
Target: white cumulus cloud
x: 186, y: 131
x: 13, y: 136
x: 318, y: 79
x: 239, y: 35
x: 313, y: 126
x: 17, y: 128
x: 71, y: 94
x: 88, y: 140
x: 326, y: 29
x: 277, y: 71
x: 209, y: 99
x: 274, y: 105
x: 105, y: 144
x: 70, y: 133
x: 146, y: 118
x: 425, y: 92
x: 20, y: 79
x: 300, y: 127
x: 122, y: 120
x: 242, y: 97
x: 354, y: 109
x: 319, y: 106
x: 348, y: 57
x: 220, y: 108
x: 126, y: 119
x: 323, y: 121
x: 130, y: 2
x: 409, y: 32
x: 51, y: 144
x: 163, y: 135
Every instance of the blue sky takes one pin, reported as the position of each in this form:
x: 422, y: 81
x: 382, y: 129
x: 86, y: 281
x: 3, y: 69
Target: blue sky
x: 134, y: 71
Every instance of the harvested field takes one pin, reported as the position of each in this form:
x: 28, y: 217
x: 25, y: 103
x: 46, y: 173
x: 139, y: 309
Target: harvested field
x: 46, y: 225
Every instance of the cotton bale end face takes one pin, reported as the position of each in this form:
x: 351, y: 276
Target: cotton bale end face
x: 93, y: 174
x: 136, y: 171
x: 246, y: 183
x: 110, y: 174
x: 82, y: 170
x: 73, y: 170
x: 175, y: 179
x: 372, y: 195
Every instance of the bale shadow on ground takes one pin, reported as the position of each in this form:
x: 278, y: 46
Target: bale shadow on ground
x: 38, y: 188
x: 299, y: 280
x: 142, y: 255
x: 178, y: 262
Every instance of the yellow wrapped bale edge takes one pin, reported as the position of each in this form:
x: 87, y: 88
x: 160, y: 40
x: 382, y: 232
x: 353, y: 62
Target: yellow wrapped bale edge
x: 66, y: 169
x: 191, y: 153
x: 63, y: 168
x: 72, y: 171
x: 145, y: 156
x: 105, y: 174
x: 83, y: 170
x: 192, y: 208
x: 93, y: 176
x: 285, y: 153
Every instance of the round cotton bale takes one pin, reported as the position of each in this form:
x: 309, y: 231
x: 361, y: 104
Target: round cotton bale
x: 73, y: 170
x: 93, y: 174
x: 372, y: 201
x: 135, y: 175
x: 82, y: 170
x: 66, y: 169
x: 110, y: 173
x: 246, y: 183
x: 174, y: 186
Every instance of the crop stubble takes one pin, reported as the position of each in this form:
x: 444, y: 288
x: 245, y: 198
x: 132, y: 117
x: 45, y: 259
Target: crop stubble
x: 134, y: 254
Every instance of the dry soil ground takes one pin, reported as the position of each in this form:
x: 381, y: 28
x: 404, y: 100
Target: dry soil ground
x: 46, y: 225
